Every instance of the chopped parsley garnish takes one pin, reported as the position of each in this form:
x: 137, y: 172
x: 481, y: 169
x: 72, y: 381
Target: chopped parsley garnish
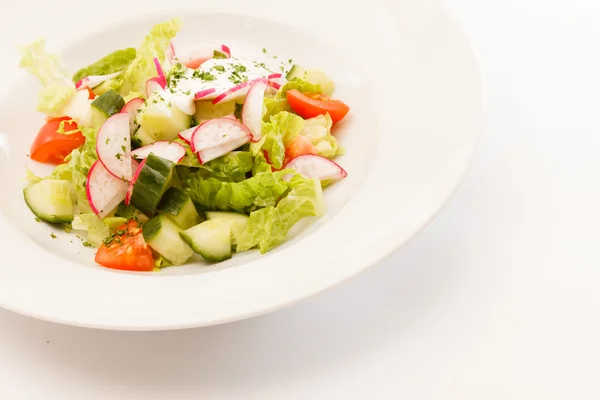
x: 124, y: 149
x: 187, y: 92
x: 219, y: 68
x: 204, y: 75
x: 264, y: 50
x: 87, y: 244
x: 282, y: 68
x: 107, y: 140
x: 119, y: 156
x: 53, y: 236
x: 290, y: 60
x: 37, y: 219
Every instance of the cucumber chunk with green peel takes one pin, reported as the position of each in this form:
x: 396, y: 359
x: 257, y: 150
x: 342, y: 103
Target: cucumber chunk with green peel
x: 162, y: 235
x: 109, y: 103
x: 151, y: 184
x: 161, y: 119
x: 314, y: 76
x: 179, y: 207
x: 210, y: 239
x: 51, y: 201
x: 236, y: 221
x: 142, y: 138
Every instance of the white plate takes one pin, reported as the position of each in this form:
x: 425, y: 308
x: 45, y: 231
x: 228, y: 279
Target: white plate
x: 416, y: 93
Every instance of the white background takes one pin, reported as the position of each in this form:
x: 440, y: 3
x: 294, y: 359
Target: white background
x: 498, y: 299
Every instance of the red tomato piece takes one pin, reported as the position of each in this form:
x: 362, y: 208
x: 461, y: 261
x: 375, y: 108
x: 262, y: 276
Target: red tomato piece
x: 310, y: 105
x: 126, y: 250
x: 52, y: 147
x: 299, y: 147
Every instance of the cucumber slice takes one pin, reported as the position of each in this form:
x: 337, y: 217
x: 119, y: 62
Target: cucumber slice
x: 109, y: 103
x: 161, y: 119
x: 210, y: 239
x: 51, y: 201
x: 206, y: 110
x: 237, y: 222
x: 179, y: 207
x: 142, y: 138
x: 163, y: 236
x: 315, y: 76
x: 151, y: 184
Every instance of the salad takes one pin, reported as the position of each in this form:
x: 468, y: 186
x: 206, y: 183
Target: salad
x: 162, y: 153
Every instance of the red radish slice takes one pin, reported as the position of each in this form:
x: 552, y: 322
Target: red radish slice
x: 159, y: 69
x: 274, y: 76
x: 170, y: 52
x: 211, y: 153
x: 132, y: 108
x: 274, y: 85
x: 313, y: 166
x: 94, y: 80
x: 104, y: 191
x: 220, y: 132
x: 236, y: 92
x: 252, y: 111
x: 136, y: 175
x: 169, y: 151
x: 204, y: 93
x: 187, y: 134
x: 154, y: 84
x: 226, y: 50
x: 113, y: 146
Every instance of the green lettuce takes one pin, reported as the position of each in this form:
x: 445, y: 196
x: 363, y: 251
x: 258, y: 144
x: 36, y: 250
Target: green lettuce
x: 318, y: 131
x: 277, y: 134
x: 142, y: 67
x: 260, y: 164
x: 77, y: 168
x: 57, y: 89
x: 97, y: 229
x: 268, y: 227
x: 232, y: 167
x: 262, y: 190
x: 114, y: 62
x: 279, y: 103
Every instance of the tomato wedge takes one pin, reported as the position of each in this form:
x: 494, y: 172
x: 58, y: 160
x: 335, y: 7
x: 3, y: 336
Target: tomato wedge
x: 126, y: 250
x: 299, y: 147
x: 52, y: 147
x: 310, y: 105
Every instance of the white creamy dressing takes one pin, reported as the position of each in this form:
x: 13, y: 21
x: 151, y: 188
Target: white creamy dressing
x: 219, y: 74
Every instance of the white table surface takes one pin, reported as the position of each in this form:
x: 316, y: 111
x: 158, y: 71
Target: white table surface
x: 498, y: 299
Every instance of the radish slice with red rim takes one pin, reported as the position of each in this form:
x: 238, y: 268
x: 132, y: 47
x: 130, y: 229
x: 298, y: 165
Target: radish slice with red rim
x: 170, y: 52
x: 132, y: 108
x: 168, y: 150
x: 94, y: 80
x: 313, y: 166
x: 159, y: 69
x: 274, y: 76
x: 113, y: 146
x: 236, y: 92
x: 154, y: 84
x: 225, y: 50
x: 203, y: 94
x: 218, y: 132
x: 187, y: 134
x: 274, y: 85
x: 136, y: 175
x: 252, y: 111
x: 104, y: 191
x: 212, y: 153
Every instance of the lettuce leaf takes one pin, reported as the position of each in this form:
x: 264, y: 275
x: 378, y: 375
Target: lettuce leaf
x: 77, y: 168
x: 232, y: 167
x: 142, y: 67
x: 268, y: 227
x: 277, y: 134
x: 262, y: 190
x: 318, y: 131
x: 260, y: 164
x: 109, y: 64
x: 52, y: 74
x: 97, y: 229
x: 279, y: 103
